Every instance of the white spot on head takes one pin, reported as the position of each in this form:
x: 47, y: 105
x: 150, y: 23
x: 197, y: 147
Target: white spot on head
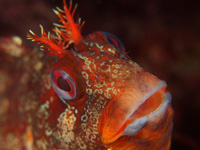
x: 38, y: 66
x: 17, y: 40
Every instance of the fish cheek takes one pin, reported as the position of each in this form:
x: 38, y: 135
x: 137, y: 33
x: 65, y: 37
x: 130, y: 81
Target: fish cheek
x: 107, y: 114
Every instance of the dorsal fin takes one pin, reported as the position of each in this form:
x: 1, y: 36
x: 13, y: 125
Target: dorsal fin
x: 65, y: 33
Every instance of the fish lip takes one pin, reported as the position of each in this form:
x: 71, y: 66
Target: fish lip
x: 136, y: 125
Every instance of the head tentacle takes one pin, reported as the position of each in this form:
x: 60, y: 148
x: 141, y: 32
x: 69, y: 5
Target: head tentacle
x: 65, y: 34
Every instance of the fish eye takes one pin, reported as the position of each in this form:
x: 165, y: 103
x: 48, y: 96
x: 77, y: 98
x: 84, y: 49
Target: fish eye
x: 63, y: 84
x: 115, y: 41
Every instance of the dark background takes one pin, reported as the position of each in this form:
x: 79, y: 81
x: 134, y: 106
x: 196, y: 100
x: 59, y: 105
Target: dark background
x: 163, y: 36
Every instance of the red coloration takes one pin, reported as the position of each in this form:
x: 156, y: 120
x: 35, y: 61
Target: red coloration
x: 65, y: 34
x: 54, y: 46
x: 116, y: 105
x: 73, y: 72
x: 75, y: 29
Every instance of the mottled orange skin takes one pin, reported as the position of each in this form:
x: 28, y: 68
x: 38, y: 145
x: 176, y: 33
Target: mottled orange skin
x: 108, y: 85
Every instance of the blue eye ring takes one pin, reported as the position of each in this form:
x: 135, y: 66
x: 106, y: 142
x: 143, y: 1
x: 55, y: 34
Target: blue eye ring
x: 63, y: 84
x: 115, y: 41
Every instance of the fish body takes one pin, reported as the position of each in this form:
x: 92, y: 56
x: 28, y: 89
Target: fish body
x: 92, y: 96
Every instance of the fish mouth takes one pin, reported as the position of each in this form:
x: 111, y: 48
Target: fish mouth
x: 153, y: 105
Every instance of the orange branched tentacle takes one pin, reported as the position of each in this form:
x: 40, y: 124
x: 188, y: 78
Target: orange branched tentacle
x: 72, y: 29
x: 76, y: 35
x: 53, y: 47
x: 65, y: 33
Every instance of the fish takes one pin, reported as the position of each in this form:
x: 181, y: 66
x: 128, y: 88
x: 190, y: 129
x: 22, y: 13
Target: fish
x: 81, y: 92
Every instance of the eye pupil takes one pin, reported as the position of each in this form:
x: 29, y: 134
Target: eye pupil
x: 63, y: 84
